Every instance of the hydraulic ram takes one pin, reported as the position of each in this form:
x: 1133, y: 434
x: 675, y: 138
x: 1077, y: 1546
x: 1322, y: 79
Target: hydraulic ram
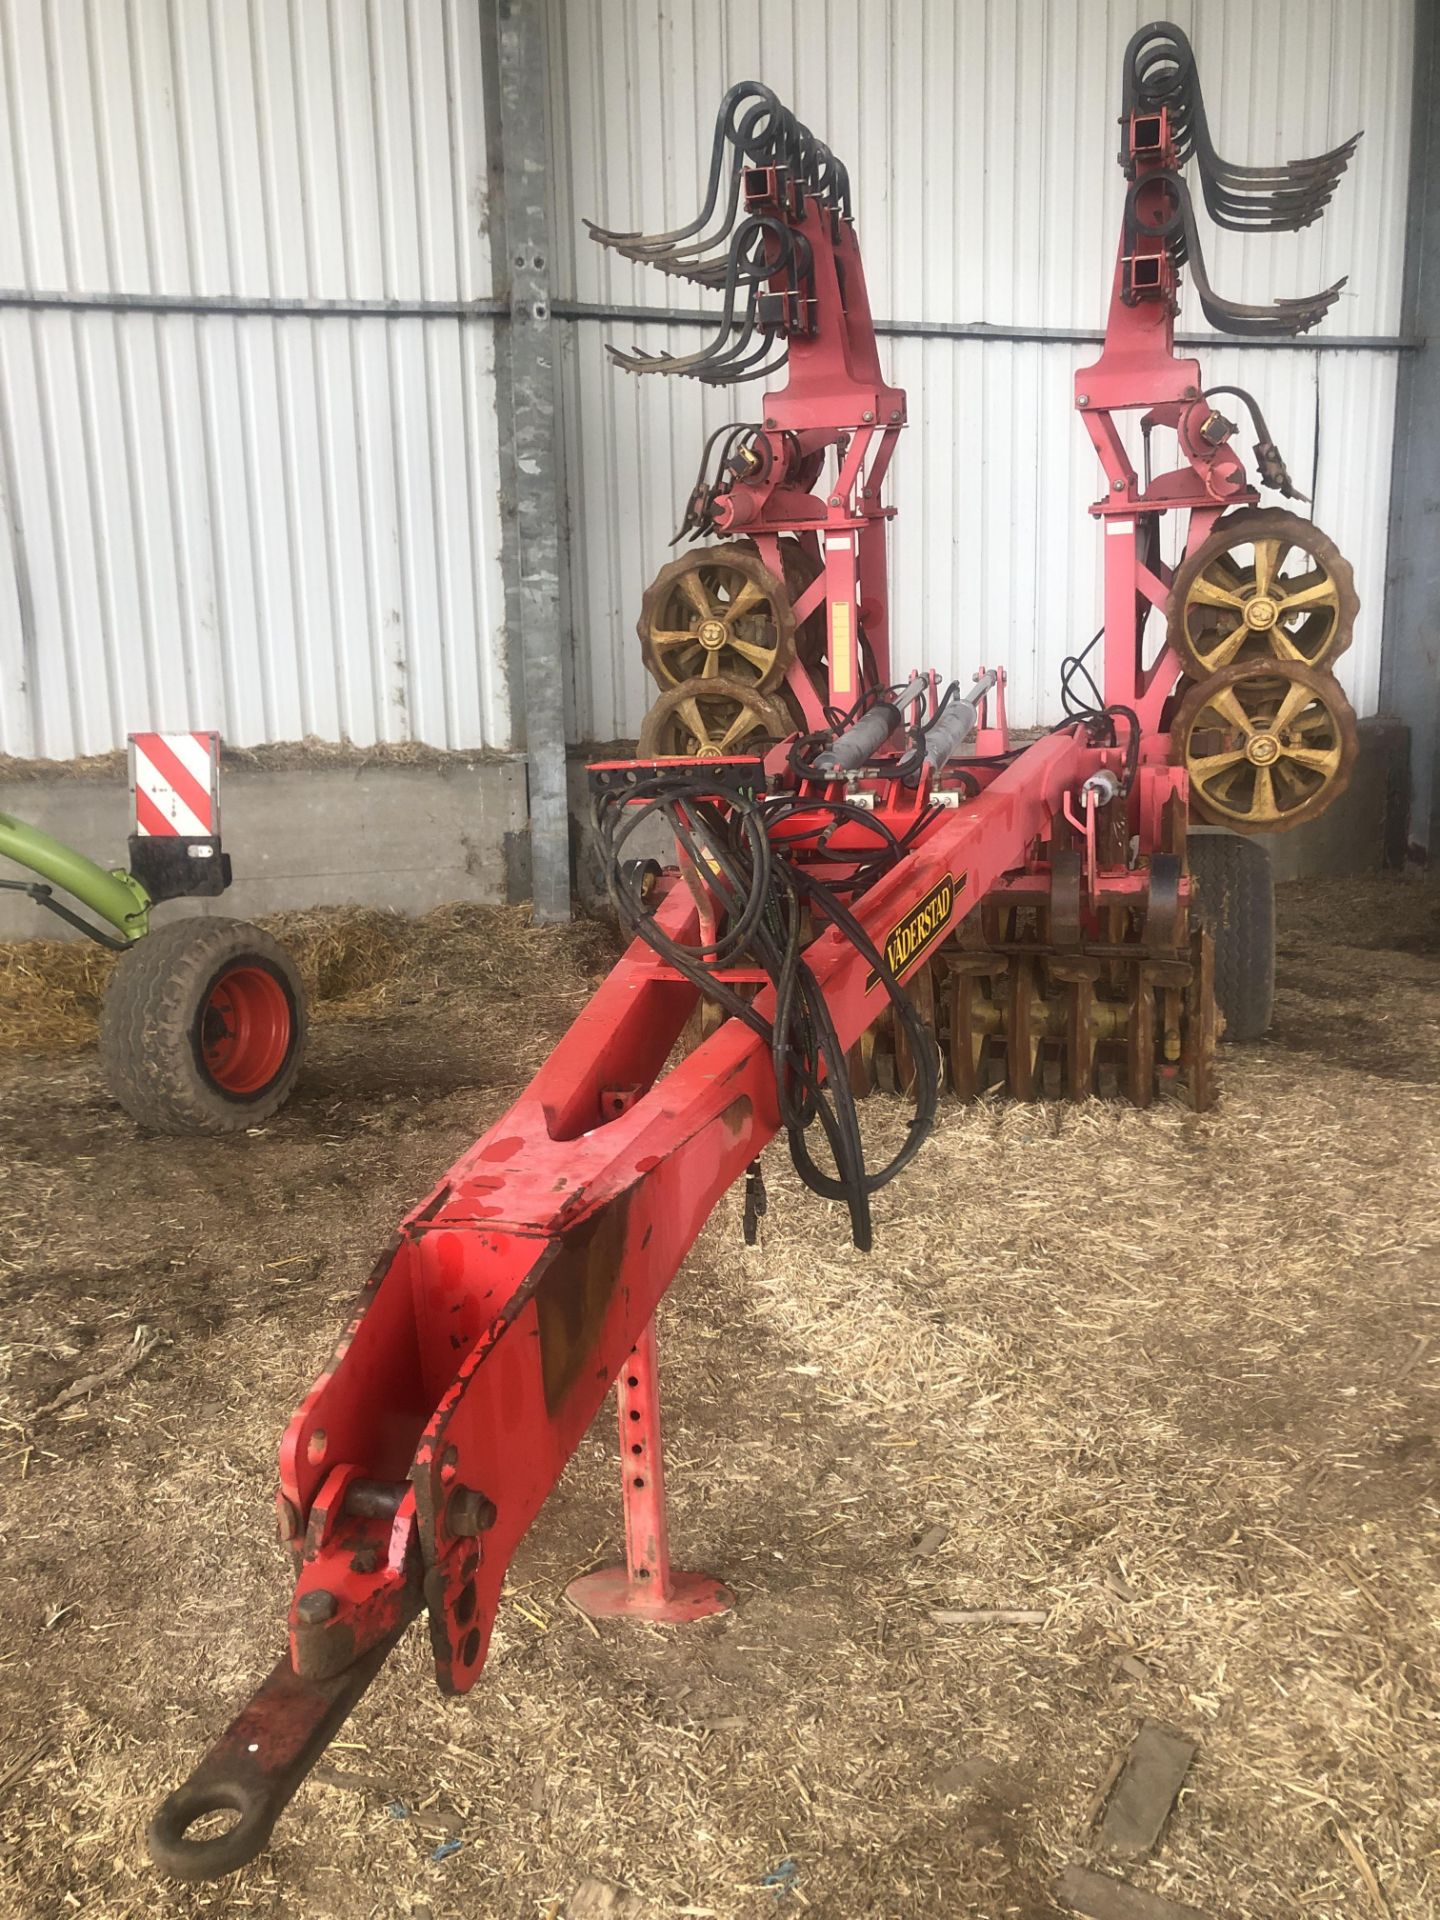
x: 955, y: 723
x: 859, y: 743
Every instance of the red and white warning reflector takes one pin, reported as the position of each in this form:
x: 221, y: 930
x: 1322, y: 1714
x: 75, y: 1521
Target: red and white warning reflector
x: 175, y: 780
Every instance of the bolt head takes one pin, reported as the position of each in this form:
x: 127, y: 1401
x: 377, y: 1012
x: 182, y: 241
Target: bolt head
x: 834, y: 499
x: 468, y: 1512
x: 1082, y: 399
x: 1117, y: 486
x: 313, y: 1609
x: 1261, y: 612
x: 896, y: 414
x: 867, y: 415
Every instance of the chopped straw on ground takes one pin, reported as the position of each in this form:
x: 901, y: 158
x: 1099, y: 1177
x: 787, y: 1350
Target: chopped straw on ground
x: 356, y: 962
x: 1168, y: 1380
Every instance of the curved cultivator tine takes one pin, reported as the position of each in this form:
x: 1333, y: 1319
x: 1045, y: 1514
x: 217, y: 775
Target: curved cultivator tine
x: 1160, y: 74
x: 761, y: 249
x: 1291, y: 314
x: 726, y: 131
x: 719, y: 249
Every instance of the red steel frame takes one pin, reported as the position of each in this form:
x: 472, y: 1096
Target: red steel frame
x: 835, y: 397
x: 518, y: 1292
x: 514, y: 1296
x: 1139, y: 368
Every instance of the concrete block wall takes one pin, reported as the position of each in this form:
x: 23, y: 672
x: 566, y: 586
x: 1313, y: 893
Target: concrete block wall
x: 407, y: 837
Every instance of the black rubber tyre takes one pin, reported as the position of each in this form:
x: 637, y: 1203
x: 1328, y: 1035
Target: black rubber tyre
x: 203, y: 1027
x: 1236, y: 891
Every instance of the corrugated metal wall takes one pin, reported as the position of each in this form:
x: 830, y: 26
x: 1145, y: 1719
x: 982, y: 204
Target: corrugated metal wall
x: 980, y: 135
x: 272, y: 522
x: 286, y: 522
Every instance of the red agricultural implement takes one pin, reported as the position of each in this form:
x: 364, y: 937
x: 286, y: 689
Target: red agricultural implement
x: 871, y: 884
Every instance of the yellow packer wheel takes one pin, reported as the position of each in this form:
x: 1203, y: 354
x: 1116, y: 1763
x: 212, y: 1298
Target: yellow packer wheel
x: 708, y: 719
x: 1267, y: 744
x: 1266, y: 585
x: 717, y: 613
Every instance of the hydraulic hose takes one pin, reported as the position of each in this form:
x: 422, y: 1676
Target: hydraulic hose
x: 771, y: 907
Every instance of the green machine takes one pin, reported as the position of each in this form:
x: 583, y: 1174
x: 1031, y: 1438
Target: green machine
x: 204, y: 1019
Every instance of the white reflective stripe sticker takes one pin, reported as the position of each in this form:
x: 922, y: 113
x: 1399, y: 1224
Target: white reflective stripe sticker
x: 1119, y: 526
x: 168, y: 797
x: 193, y: 753
x: 841, y: 678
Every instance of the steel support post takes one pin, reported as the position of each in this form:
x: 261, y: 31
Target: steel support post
x: 529, y: 343
x: 1410, y: 648
x: 645, y: 1586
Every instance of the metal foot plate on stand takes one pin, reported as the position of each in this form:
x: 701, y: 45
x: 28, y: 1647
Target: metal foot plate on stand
x: 611, y: 1590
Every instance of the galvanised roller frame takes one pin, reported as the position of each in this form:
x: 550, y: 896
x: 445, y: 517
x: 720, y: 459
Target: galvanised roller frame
x: 841, y: 893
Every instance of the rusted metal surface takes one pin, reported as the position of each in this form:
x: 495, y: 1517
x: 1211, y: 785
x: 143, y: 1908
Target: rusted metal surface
x: 573, y: 1297
x: 257, y: 1763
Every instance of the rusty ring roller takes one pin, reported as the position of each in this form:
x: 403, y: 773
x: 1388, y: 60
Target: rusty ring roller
x: 717, y: 613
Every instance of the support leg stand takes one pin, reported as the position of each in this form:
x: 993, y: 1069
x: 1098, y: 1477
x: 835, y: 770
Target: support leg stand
x: 645, y: 1586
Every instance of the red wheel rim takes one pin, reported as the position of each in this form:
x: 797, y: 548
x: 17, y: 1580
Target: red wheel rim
x: 245, y: 1029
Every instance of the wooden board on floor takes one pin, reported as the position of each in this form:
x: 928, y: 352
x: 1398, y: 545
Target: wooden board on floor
x: 1103, y: 1897
x: 1153, y: 1774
